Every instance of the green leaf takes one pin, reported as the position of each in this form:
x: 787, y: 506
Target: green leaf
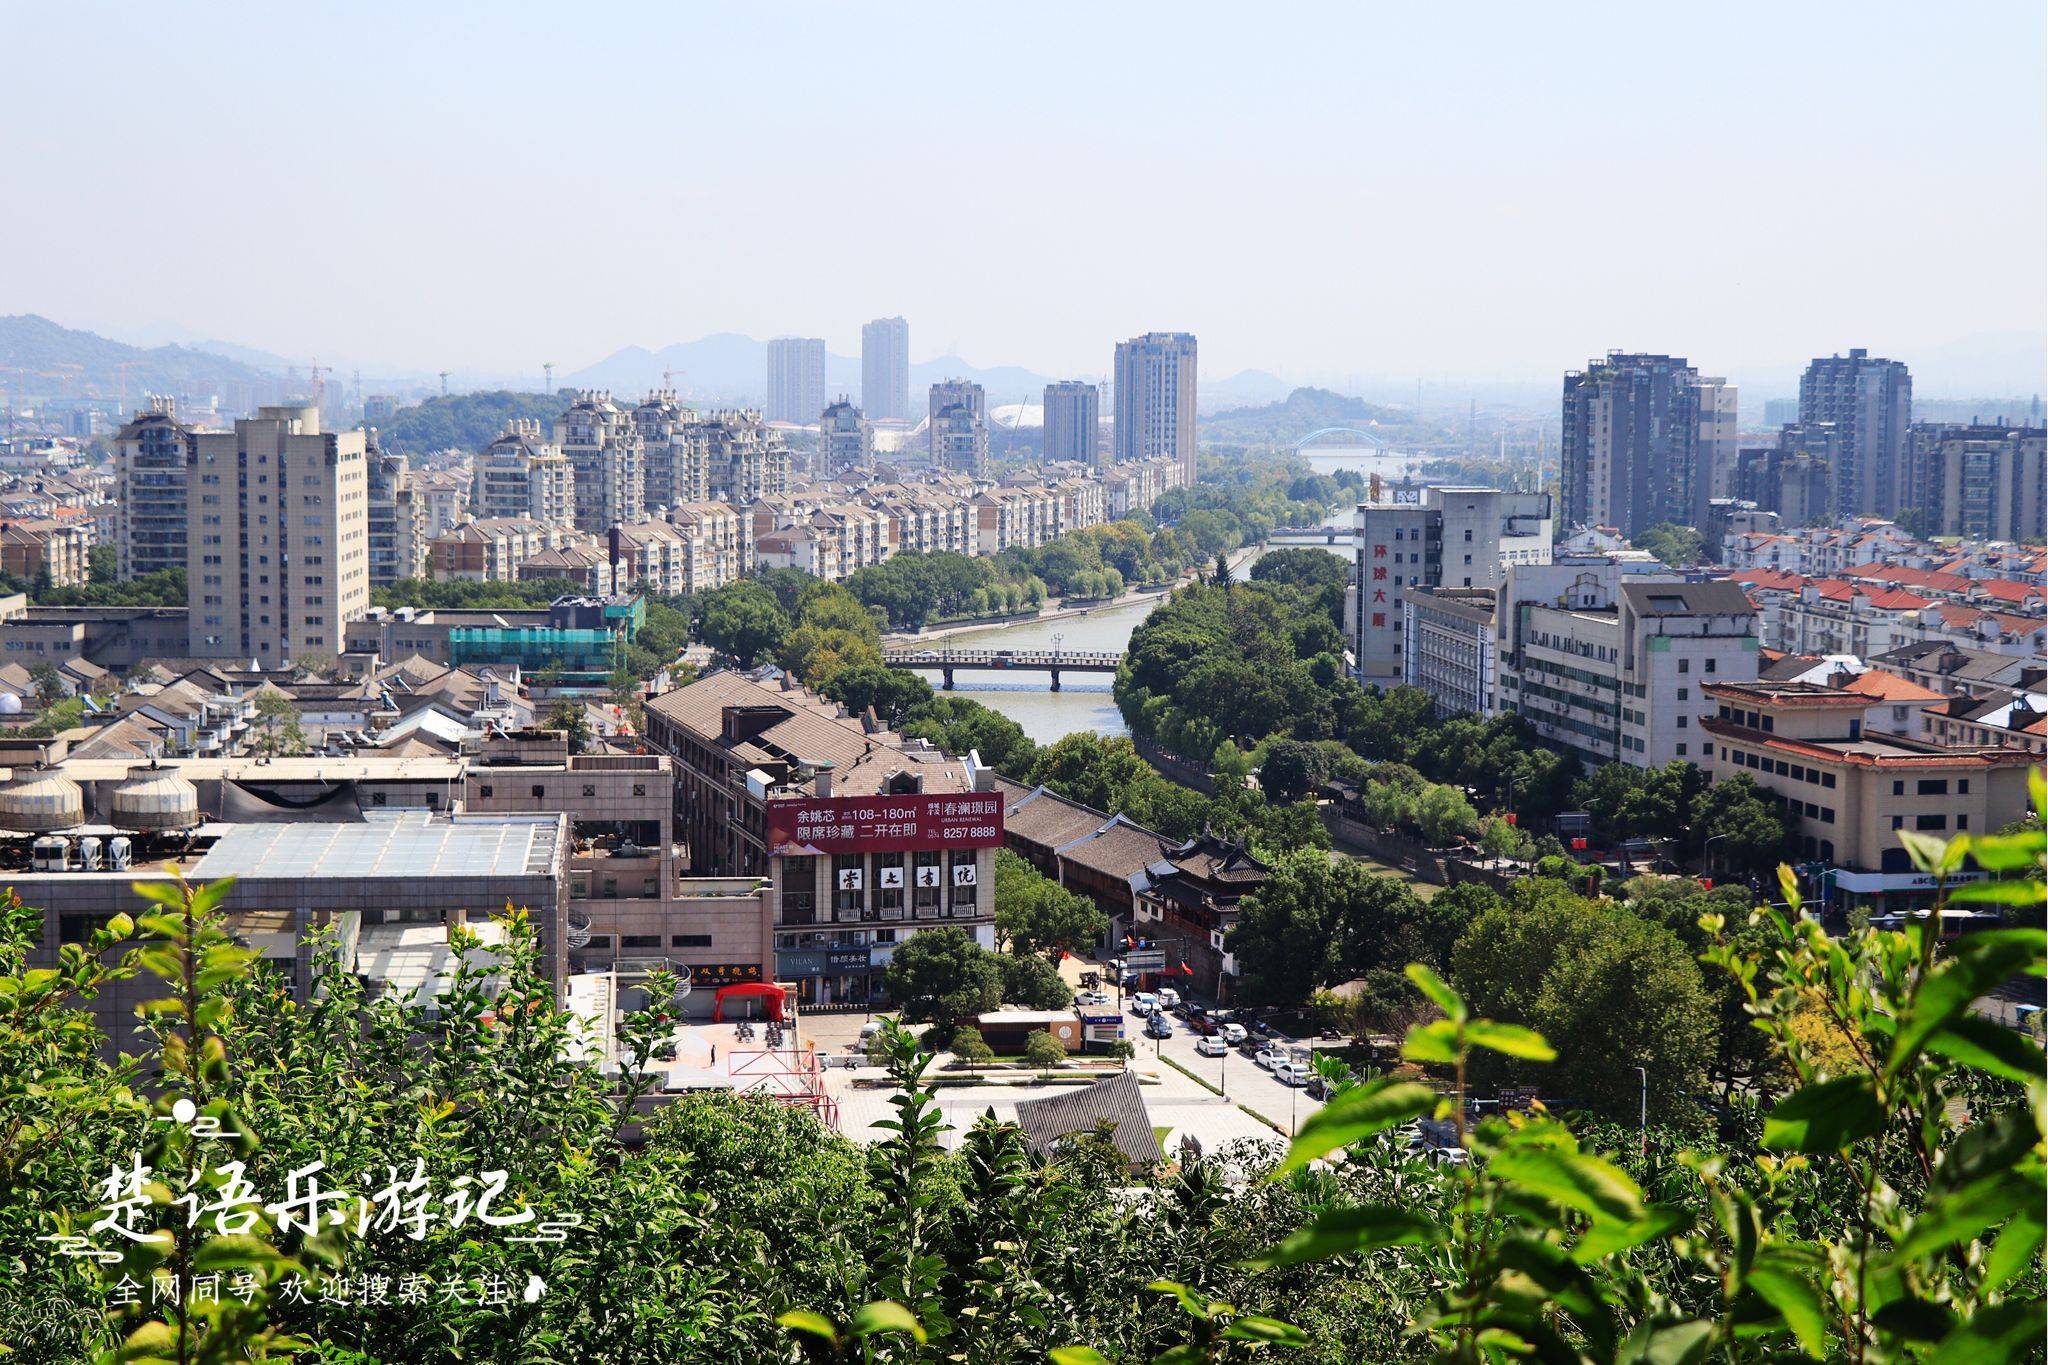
x: 1933, y: 855
x: 1594, y: 1187
x: 884, y: 1315
x: 1662, y: 1342
x: 1354, y: 1114
x: 1962, y: 1214
x: 1194, y: 1304
x: 1977, y: 963
x: 815, y: 1324
x: 1788, y: 886
x: 1795, y: 1298
x: 1346, y: 1232
x: 1991, y: 1336
x: 1274, y: 1332
x: 1077, y: 1355
x: 1826, y: 1117
x: 1437, y: 1042
x: 1986, y: 1045
x: 2008, y: 852
x: 1433, y: 986
x: 2008, y: 891
x: 2013, y: 1253
x: 1511, y: 1039
x: 1608, y: 1237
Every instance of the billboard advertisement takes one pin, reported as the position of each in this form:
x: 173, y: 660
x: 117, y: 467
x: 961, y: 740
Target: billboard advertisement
x: 916, y: 823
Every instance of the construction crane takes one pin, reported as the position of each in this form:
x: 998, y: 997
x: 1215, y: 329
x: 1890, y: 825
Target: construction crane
x: 316, y: 382
x: 121, y: 369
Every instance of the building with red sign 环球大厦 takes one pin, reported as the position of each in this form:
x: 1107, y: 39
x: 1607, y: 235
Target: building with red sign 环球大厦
x: 864, y: 836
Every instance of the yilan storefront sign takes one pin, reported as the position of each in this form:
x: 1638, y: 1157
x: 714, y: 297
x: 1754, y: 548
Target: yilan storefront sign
x: 886, y: 824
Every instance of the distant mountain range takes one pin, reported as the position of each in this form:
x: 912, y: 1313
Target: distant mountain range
x: 48, y: 361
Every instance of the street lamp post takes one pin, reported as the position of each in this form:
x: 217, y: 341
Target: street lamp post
x: 1223, y: 1067
x: 1644, y: 1121
x: 1707, y: 849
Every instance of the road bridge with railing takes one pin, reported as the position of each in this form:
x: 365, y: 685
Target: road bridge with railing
x: 1052, y: 661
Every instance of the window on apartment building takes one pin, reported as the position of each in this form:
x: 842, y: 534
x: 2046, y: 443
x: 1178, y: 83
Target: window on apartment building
x: 1933, y: 786
x: 689, y: 940
x: 640, y: 940
x: 1926, y: 822
x: 1898, y: 788
x: 1685, y: 665
x: 1681, y: 747
x: 1898, y: 822
x: 1962, y: 822
x: 1709, y: 665
x: 600, y: 941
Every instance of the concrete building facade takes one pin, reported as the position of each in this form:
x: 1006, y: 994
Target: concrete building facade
x: 885, y: 370
x: 1073, y: 423
x: 796, y: 380
x: 278, y: 556
x: 1155, y: 400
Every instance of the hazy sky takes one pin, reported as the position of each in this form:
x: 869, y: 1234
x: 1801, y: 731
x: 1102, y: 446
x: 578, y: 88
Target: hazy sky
x: 1482, y: 191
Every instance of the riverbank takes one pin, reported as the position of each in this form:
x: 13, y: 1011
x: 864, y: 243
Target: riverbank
x: 1237, y: 559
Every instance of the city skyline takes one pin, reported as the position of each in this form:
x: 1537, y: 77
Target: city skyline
x: 1464, y: 278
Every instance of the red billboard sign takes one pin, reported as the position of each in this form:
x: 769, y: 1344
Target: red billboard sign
x: 886, y: 824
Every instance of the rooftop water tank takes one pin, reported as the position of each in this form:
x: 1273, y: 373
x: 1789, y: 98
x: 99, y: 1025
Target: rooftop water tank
x: 40, y: 799
x: 153, y: 797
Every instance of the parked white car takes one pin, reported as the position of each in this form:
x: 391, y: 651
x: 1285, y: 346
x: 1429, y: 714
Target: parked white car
x: 1168, y: 997
x: 1144, y: 1002
x: 1291, y: 1073
x: 1232, y: 1034
x: 1209, y: 1045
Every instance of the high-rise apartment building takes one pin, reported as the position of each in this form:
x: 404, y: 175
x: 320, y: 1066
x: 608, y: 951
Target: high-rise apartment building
x: 960, y: 439
x: 1980, y: 482
x: 885, y: 370
x: 521, y: 475
x: 149, y: 490
x: 1720, y: 445
x: 1155, y: 400
x: 1631, y: 442
x: 742, y: 460
x: 671, y: 463
x: 1073, y: 422
x: 397, y: 517
x: 845, y: 439
x: 278, y: 557
x: 951, y: 393
x: 604, y: 449
x: 1871, y: 402
x: 796, y: 379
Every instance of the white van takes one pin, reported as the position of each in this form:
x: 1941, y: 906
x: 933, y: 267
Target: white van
x: 1144, y: 1002
x: 1169, y: 998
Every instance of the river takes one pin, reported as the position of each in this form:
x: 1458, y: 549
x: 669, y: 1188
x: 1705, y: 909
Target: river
x: 1083, y: 702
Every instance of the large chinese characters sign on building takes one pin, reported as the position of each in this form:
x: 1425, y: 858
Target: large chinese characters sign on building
x: 886, y: 824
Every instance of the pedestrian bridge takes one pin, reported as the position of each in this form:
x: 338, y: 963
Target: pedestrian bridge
x: 1052, y: 661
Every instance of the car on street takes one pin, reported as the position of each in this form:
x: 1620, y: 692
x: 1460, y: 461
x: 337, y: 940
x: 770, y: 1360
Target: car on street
x: 1265, y: 1055
x: 1091, y: 998
x: 1291, y: 1073
x: 1144, y: 1002
x: 1158, y: 1026
x: 1233, y: 1034
x: 1211, y: 1046
x: 1201, y: 1023
x: 1169, y: 998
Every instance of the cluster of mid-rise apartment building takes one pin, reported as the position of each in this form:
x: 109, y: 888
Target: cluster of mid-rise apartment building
x: 1866, y: 680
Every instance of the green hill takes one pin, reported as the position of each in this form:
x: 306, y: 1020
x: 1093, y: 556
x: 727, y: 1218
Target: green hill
x: 466, y: 421
x: 1295, y: 416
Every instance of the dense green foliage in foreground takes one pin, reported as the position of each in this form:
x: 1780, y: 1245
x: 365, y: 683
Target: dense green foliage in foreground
x: 1885, y: 1202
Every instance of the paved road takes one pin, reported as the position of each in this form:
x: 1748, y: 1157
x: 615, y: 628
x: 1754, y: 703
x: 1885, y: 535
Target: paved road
x: 1245, y: 1084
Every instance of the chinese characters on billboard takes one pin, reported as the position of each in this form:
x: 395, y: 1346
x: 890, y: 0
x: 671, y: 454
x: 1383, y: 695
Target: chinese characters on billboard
x: 915, y: 823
